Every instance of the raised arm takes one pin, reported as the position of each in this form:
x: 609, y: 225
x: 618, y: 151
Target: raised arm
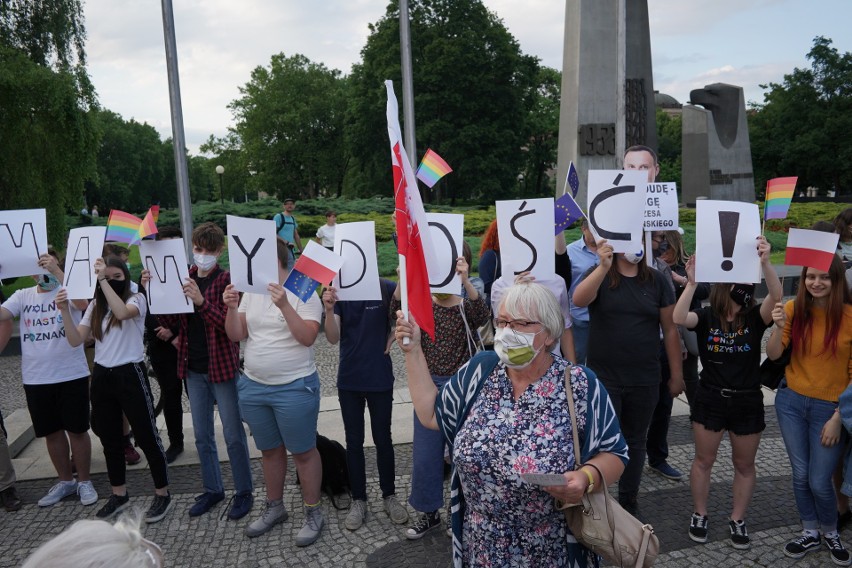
x: 304, y: 331
x: 332, y: 321
x: 681, y: 314
x: 235, y: 322
x: 773, y: 283
x: 76, y: 335
x: 587, y: 289
x: 120, y: 310
x: 423, y: 390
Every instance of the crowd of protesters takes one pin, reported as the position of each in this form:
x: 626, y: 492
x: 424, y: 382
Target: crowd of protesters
x: 639, y: 327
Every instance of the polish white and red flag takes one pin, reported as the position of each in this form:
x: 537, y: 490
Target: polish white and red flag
x: 415, y: 245
x: 814, y: 249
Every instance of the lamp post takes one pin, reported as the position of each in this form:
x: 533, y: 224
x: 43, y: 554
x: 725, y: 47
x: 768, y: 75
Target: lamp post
x: 220, y: 170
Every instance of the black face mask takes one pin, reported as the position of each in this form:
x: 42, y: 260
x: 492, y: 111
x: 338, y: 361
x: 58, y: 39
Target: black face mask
x: 742, y: 294
x: 117, y: 286
x: 661, y: 248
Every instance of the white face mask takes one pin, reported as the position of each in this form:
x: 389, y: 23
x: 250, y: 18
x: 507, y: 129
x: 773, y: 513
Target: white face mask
x: 634, y: 258
x: 515, y: 348
x: 204, y: 261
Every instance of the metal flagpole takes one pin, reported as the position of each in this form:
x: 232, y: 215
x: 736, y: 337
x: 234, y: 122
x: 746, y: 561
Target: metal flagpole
x: 407, y: 82
x: 178, y: 138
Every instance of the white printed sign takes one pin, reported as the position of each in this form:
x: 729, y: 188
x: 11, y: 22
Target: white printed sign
x: 252, y: 253
x: 525, y: 228
x: 358, y: 278
x: 23, y: 238
x: 446, y: 231
x: 616, y: 206
x: 166, y: 262
x: 85, y: 246
x: 661, y: 207
x: 726, y: 241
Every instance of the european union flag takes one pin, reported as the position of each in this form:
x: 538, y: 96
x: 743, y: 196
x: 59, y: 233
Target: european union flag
x: 566, y: 212
x: 300, y: 284
x: 573, y: 180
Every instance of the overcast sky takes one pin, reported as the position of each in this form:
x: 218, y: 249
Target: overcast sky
x: 694, y: 43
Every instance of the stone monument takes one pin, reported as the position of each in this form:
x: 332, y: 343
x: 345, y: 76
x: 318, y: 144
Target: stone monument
x: 716, y: 148
x: 607, y: 86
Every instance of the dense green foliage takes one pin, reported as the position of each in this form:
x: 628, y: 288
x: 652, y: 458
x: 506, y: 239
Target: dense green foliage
x: 804, y: 126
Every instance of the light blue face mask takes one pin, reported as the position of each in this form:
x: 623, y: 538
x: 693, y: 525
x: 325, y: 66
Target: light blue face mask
x: 48, y: 282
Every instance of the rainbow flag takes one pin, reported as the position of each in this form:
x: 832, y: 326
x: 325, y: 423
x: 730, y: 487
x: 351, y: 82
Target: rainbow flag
x: 779, y: 194
x: 126, y: 228
x: 432, y: 168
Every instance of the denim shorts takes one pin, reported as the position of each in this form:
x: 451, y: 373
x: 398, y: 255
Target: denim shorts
x: 738, y: 413
x: 281, y: 414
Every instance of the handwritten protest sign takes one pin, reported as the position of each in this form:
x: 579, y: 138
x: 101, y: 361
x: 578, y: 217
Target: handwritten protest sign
x: 252, y: 253
x: 726, y: 241
x: 166, y: 262
x: 661, y: 207
x: 358, y: 278
x: 23, y: 238
x: 446, y: 231
x: 85, y: 246
x: 616, y: 207
x: 525, y: 228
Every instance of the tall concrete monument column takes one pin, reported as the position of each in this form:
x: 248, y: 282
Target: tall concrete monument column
x: 607, y: 97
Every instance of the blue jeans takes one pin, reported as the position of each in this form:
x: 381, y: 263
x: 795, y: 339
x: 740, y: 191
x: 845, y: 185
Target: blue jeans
x: 202, y: 396
x: 580, y: 329
x: 427, y: 474
x: 800, y: 419
x: 352, y: 405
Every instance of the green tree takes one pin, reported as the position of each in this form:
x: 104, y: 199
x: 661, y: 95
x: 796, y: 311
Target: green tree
x: 804, y: 126
x: 289, y: 124
x: 131, y: 165
x: 48, y: 138
x: 669, y: 150
x: 472, y: 90
x: 543, y: 139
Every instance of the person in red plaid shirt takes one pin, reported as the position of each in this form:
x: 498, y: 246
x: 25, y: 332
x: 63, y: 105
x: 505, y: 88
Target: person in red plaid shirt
x: 209, y: 363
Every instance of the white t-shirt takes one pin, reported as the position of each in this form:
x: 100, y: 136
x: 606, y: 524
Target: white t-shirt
x: 326, y: 234
x: 272, y: 355
x: 47, y: 358
x: 120, y: 345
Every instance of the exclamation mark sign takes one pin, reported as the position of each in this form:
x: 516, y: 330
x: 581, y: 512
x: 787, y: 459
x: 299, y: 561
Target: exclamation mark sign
x: 729, y: 221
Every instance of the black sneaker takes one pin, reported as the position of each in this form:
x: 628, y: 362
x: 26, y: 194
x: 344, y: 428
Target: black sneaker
x: 115, y: 504
x: 739, y: 535
x: 161, y: 505
x: 801, y: 546
x: 424, y: 524
x: 698, y: 528
x: 173, y: 452
x: 839, y: 555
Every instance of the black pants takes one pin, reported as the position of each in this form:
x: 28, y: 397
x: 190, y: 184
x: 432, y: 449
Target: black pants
x: 125, y: 389
x: 352, y: 405
x: 163, y: 358
x: 657, y: 445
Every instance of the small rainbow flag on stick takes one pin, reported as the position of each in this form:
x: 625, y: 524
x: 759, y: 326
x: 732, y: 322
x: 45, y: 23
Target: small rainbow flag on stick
x: 125, y: 228
x: 432, y: 168
x: 779, y: 193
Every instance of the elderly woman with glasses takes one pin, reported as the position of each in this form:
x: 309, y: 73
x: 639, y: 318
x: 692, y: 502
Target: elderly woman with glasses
x: 505, y: 414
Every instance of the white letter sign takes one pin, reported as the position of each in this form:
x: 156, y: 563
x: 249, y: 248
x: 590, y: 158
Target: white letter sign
x: 525, y: 228
x: 23, y: 238
x: 252, y: 253
x: 358, y: 278
x: 85, y: 246
x: 166, y: 261
x: 446, y: 231
x: 616, y: 206
x: 726, y: 241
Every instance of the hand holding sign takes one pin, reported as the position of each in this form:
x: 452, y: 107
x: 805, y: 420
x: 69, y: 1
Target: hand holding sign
x: 616, y: 206
x: 165, y: 269
x: 725, y: 237
x: 23, y: 239
x: 525, y: 231
x: 84, y: 246
x: 252, y: 253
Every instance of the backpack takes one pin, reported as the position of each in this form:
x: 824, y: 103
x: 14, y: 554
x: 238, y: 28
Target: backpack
x: 280, y: 221
x: 335, y: 471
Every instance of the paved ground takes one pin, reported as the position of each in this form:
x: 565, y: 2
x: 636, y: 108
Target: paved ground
x: 213, y: 541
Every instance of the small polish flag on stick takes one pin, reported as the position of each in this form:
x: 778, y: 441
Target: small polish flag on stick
x: 316, y: 266
x: 814, y: 249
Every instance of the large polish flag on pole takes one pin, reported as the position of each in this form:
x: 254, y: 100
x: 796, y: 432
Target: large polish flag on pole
x: 415, y: 246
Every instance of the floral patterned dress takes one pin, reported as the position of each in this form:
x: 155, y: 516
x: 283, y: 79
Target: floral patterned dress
x: 508, y: 522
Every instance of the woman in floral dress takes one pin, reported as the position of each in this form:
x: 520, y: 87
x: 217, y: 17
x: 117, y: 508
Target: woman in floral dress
x: 505, y: 414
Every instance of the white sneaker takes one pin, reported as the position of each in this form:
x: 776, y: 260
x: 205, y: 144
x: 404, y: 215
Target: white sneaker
x: 87, y: 493
x: 357, y: 515
x: 312, y: 528
x: 58, y: 492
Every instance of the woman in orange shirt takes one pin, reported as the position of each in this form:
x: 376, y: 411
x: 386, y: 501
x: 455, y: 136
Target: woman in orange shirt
x: 818, y: 326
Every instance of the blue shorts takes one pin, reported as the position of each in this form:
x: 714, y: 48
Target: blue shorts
x: 281, y: 415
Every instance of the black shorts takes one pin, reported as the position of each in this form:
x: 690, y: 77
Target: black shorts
x: 739, y: 413
x: 59, y: 406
